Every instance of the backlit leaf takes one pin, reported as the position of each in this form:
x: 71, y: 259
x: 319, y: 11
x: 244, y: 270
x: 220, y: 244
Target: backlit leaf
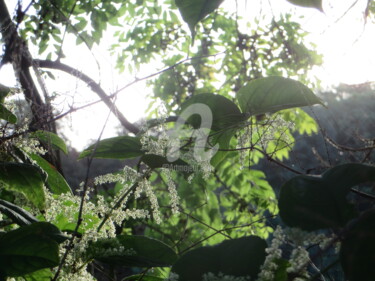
x: 193, y: 11
x: 122, y: 147
x: 40, y: 275
x: 55, y: 181
x: 24, y: 178
x: 272, y: 94
x: 50, y: 138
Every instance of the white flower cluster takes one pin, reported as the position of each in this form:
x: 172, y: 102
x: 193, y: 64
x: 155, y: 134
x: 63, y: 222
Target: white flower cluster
x: 221, y: 277
x: 174, y: 198
x: 109, y: 178
x: 243, y: 140
x: 156, y: 145
x: 274, y: 130
x: 304, y: 238
x: 117, y: 251
x: 23, y: 141
x: 205, y: 166
x: 118, y: 214
x: 29, y: 145
x: 299, y: 260
x: 80, y: 275
x: 128, y: 174
x: 273, y: 254
x: 114, y: 249
x: 145, y: 186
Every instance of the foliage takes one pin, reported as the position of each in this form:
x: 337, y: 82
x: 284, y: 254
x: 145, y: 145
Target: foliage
x: 194, y: 206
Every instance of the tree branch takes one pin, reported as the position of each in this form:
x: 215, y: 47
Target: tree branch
x: 95, y: 87
x: 17, y: 53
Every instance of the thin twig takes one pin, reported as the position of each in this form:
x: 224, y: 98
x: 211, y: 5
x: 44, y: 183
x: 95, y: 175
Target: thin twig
x: 80, y: 212
x: 225, y: 229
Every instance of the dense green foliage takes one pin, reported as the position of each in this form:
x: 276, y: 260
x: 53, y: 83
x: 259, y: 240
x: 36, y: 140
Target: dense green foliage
x: 193, y: 202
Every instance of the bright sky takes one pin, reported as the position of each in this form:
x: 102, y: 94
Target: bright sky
x: 345, y: 41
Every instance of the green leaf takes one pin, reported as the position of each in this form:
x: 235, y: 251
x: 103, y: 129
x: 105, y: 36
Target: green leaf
x: 272, y: 94
x: 4, y: 91
x: 193, y: 11
x: 225, y: 114
x: 122, y: 147
x: 17, y: 214
x: 138, y: 251
x: 237, y: 257
x: 28, y: 249
x: 308, y: 3
x: 281, y: 273
x: 5, y: 114
x: 24, y: 178
x: 223, y: 139
x: 315, y: 202
x: 226, y: 119
x: 50, y: 138
x: 357, y: 251
x: 157, y: 161
x: 55, y: 181
x: 40, y: 275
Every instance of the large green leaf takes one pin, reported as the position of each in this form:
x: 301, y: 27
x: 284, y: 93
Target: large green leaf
x: 122, y: 147
x: 315, y: 202
x: 126, y: 250
x: 157, y: 161
x: 5, y: 114
x: 357, y: 251
x: 55, y: 181
x: 224, y: 112
x: 226, y: 119
x: 41, y: 275
x: 308, y: 3
x: 17, y: 214
x: 237, y: 257
x: 26, y: 179
x: 50, y: 138
x: 193, y: 11
x: 29, y: 248
x: 272, y: 94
